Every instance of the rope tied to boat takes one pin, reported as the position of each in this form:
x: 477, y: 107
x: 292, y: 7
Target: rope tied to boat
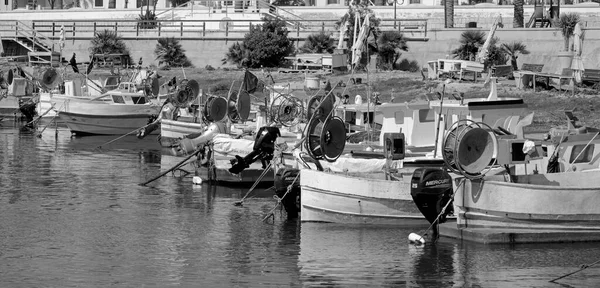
x: 279, y: 200
x: 583, y: 267
x: 262, y: 175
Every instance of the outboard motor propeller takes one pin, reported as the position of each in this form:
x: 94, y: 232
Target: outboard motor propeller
x: 264, y: 147
x: 431, y: 189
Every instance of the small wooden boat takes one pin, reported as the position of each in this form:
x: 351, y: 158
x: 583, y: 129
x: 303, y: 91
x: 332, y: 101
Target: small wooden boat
x: 116, y: 112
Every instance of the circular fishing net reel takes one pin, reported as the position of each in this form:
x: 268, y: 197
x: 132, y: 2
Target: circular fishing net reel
x: 49, y: 79
x: 186, y: 93
x: 468, y: 148
x: 286, y: 110
x: 238, y: 106
x: 215, y: 109
x: 326, y: 138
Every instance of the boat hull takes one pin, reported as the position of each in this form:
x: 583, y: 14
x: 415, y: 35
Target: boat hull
x: 339, y: 198
x: 85, y: 116
x: 557, y: 201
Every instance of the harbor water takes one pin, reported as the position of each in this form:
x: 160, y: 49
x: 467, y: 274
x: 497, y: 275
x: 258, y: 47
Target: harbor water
x: 72, y: 215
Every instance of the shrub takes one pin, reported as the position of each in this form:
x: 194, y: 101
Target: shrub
x: 406, y: 65
x: 209, y: 68
x: 169, y: 53
x: 265, y: 46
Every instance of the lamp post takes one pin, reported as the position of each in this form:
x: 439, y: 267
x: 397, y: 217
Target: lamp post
x: 390, y: 2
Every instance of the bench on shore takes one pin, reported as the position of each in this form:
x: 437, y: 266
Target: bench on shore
x: 567, y: 74
x: 502, y: 70
x: 532, y: 67
x: 591, y: 75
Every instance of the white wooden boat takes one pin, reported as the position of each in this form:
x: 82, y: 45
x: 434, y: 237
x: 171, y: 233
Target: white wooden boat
x: 330, y: 196
x: 116, y: 112
x: 361, y: 197
x: 540, y: 199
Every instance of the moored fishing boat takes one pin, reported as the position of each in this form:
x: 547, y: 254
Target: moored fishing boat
x: 541, y: 196
x: 115, y: 112
x: 382, y: 193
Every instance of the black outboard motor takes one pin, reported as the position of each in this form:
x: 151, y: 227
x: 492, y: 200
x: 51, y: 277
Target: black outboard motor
x: 264, y: 147
x: 431, y: 189
x: 283, y: 179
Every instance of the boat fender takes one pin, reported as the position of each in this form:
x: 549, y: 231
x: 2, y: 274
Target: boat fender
x: 197, y: 180
x: 416, y: 239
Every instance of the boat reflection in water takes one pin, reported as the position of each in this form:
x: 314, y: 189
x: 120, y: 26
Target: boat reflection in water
x: 374, y: 256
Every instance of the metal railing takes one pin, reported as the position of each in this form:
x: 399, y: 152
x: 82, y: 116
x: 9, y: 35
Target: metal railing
x: 23, y: 30
x: 195, y: 29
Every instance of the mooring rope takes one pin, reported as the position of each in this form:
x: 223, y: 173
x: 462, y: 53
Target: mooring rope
x: 583, y: 267
x: 262, y: 175
x: 289, y: 189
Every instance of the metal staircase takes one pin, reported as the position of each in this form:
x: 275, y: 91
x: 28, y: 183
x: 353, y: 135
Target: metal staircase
x: 31, y: 40
x: 40, y: 48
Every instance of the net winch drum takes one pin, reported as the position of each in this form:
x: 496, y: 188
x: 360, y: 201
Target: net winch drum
x: 238, y: 106
x: 49, y: 78
x: 286, y: 110
x: 215, y: 109
x: 431, y: 189
x: 321, y: 109
x: 285, y: 177
x: 393, y: 146
x: 475, y: 151
x: 469, y: 148
x: 326, y: 139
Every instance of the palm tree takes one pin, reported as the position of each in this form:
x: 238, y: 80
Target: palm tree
x: 470, y: 41
x: 108, y: 42
x: 390, y: 45
x: 513, y: 49
x: 237, y: 54
x: 318, y: 43
x: 518, y: 14
x: 449, y: 13
x: 169, y: 52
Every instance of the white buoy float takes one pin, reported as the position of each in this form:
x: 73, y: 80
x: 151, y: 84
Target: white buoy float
x: 416, y: 238
x: 197, y: 180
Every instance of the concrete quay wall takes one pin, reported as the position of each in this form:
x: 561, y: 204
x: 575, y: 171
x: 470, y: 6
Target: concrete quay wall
x: 543, y: 43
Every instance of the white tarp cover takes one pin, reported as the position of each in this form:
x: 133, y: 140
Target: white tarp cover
x: 224, y: 144
x: 359, y: 165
